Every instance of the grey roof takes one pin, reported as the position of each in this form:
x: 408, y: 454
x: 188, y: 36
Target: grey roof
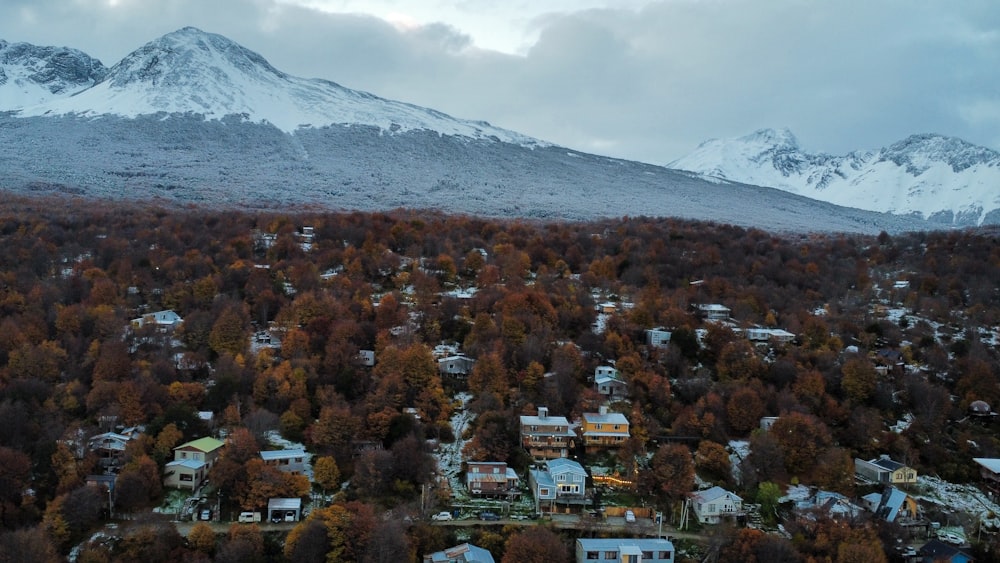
x: 281, y: 454
x: 609, y: 544
x: 990, y: 463
x: 608, y: 418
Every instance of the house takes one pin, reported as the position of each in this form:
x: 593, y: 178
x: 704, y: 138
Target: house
x: 284, y: 509
x: 829, y: 503
x: 712, y: 311
x: 711, y: 506
x: 456, y: 365
x: 288, y: 461
x: 936, y: 551
x: 891, y: 504
x: 778, y: 335
x: 561, y: 482
x: 604, y: 430
x: 464, y: 553
x: 191, y: 463
x: 109, y: 447
x: 366, y: 357
x: 989, y: 469
x: 885, y: 471
x: 546, y: 437
x: 767, y: 422
x: 485, y: 478
x: 608, y: 384
x: 163, y: 320
x: 624, y: 550
x: 657, y: 337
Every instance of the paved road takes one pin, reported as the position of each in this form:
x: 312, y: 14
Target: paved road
x: 561, y: 521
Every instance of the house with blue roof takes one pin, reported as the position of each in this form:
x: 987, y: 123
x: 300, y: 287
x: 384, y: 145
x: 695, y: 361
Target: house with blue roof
x: 463, y: 553
x: 624, y: 550
x: 561, y: 482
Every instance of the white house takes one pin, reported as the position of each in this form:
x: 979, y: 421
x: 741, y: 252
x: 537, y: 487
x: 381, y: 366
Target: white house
x: 288, y: 461
x: 759, y: 334
x: 711, y: 506
x: 713, y: 311
x: 162, y: 319
x: 456, y: 365
x: 657, y: 337
x: 608, y: 384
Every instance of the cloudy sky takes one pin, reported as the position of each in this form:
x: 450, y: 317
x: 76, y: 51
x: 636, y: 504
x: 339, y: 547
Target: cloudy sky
x: 639, y: 79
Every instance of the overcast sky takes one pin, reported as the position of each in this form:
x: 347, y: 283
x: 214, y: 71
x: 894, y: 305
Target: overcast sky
x: 639, y: 79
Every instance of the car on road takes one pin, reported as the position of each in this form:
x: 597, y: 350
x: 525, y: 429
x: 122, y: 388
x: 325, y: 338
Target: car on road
x: 441, y: 516
x: 951, y: 538
x: 206, y: 514
x: 629, y: 516
x: 488, y: 516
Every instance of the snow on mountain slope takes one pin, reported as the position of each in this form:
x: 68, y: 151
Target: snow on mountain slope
x: 193, y: 72
x: 943, y: 179
x: 31, y: 75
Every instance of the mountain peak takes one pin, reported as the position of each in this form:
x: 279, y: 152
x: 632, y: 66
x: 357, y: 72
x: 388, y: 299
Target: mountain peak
x: 928, y: 175
x: 189, y: 56
x: 31, y: 74
x: 196, y: 73
x: 781, y: 138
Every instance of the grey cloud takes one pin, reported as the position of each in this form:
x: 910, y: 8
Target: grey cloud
x: 647, y: 84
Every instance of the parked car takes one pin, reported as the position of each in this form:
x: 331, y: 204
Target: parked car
x: 206, y: 514
x: 441, y: 516
x: 249, y: 517
x: 488, y: 516
x: 950, y: 538
x: 629, y: 516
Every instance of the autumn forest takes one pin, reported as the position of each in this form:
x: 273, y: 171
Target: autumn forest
x: 520, y: 297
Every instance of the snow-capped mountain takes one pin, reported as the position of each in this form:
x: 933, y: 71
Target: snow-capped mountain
x: 31, y: 75
x: 193, y: 72
x: 943, y: 179
x: 194, y: 118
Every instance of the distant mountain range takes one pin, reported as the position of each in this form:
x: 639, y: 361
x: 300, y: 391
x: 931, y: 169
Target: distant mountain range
x: 943, y: 179
x: 193, y: 117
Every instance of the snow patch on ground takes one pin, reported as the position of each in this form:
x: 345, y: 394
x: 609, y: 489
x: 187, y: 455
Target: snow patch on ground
x: 449, y: 456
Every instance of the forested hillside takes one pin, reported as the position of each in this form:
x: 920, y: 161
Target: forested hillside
x: 277, y: 308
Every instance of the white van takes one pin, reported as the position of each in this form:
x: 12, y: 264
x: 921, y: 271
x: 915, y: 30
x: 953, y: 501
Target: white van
x: 249, y: 517
x: 629, y: 516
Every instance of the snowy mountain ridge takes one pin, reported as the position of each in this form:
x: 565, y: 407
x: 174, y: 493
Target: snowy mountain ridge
x: 193, y: 118
x: 942, y: 179
x: 190, y: 71
x: 31, y: 75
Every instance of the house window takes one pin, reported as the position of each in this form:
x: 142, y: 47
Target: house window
x: 543, y: 492
x: 561, y: 477
x: 496, y: 470
x: 664, y: 555
x: 647, y: 555
x: 711, y: 508
x: 592, y: 555
x: 597, y: 426
x: 298, y: 460
x: 184, y: 455
x: 534, y: 429
x: 611, y: 555
x: 185, y: 477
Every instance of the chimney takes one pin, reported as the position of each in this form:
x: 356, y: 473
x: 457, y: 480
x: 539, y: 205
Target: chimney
x: 543, y: 412
x: 603, y: 409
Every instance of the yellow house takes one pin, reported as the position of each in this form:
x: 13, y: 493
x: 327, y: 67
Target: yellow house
x: 885, y: 471
x: 603, y: 430
x: 192, y: 461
